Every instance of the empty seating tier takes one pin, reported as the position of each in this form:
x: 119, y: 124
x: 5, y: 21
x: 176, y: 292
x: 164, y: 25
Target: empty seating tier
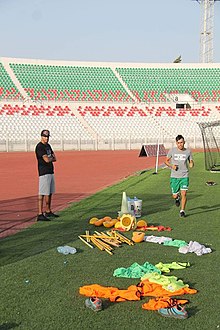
x: 69, y: 83
x: 138, y: 122
x: 30, y: 120
x: 157, y: 84
x: 105, y: 122
x: 8, y: 90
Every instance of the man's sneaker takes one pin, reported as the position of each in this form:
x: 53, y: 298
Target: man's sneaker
x: 177, y: 312
x: 42, y: 217
x: 51, y: 215
x: 94, y: 303
x: 182, y: 214
x: 177, y: 201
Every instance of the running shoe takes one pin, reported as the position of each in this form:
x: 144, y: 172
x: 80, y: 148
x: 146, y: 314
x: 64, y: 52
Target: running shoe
x: 94, y: 303
x: 51, y: 215
x: 182, y: 214
x: 177, y: 312
x: 42, y: 217
x: 177, y: 201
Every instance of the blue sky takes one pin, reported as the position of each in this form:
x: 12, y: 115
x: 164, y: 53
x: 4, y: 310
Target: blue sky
x: 145, y: 31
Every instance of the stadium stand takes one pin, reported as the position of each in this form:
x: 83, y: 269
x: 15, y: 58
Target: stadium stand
x: 8, y: 90
x: 101, y: 102
x: 69, y: 83
x: 157, y: 84
x: 18, y: 120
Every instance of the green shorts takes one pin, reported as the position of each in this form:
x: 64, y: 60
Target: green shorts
x: 178, y: 184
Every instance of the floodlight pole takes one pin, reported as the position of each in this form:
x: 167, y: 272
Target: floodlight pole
x: 207, y: 29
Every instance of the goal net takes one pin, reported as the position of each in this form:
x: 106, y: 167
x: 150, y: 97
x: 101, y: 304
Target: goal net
x: 211, y: 143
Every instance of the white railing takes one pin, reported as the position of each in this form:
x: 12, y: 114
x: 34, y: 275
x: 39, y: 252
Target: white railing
x: 24, y: 143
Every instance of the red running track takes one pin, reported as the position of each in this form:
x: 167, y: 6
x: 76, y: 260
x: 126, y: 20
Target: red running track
x: 78, y: 175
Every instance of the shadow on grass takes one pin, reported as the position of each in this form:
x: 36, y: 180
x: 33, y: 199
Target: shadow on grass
x: 205, y: 208
x: 41, y: 237
x: 107, y: 304
x: 7, y: 326
x: 192, y: 311
x: 26, y: 207
x: 159, y: 203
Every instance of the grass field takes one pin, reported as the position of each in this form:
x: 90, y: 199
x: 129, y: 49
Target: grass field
x: 40, y: 287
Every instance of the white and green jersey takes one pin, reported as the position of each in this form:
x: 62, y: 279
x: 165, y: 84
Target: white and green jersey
x: 181, y: 159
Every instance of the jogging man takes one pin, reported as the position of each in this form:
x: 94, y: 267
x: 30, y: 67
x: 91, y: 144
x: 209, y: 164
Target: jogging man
x: 178, y: 159
x: 45, y: 158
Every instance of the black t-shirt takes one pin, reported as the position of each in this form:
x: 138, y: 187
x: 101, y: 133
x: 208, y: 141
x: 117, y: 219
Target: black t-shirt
x: 44, y: 167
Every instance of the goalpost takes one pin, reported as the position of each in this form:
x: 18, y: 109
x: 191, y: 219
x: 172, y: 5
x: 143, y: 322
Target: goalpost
x: 156, y: 150
x: 211, y: 143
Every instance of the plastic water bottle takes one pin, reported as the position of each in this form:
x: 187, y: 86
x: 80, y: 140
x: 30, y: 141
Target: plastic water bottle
x: 70, y: 249
x: 63, y: 250
x: 66, y: 249
x: 137, y: 207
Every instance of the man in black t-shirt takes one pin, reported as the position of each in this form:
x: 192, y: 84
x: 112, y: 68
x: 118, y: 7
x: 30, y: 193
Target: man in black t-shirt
x: 45, y: 158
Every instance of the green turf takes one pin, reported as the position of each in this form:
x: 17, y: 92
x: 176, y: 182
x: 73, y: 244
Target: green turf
x: 40, y: 287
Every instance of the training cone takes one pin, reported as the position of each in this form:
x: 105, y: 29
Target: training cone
x: 124, y: 205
